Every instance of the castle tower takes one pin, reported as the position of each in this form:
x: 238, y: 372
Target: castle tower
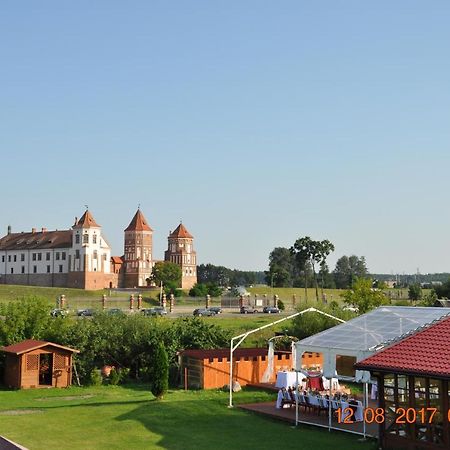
x: 138, y: 252
x: 181, y: 251
x: 89, y: 257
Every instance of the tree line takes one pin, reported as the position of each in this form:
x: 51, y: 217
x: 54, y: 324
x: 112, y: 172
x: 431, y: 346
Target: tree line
x: 304, y: 264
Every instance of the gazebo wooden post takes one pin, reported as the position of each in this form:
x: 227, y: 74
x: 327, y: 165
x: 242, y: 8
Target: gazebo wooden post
x: 103, y: 301
x: 139, y: 304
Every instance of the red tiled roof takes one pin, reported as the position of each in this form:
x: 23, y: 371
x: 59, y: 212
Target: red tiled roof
x: 425, y: 352
x: 117, y: 259
x: 87, y: 220
x: 225, y: 353
x: 138, y: 223
x: 32, y: 344
x: 181, y: 232
x: 37, y: 240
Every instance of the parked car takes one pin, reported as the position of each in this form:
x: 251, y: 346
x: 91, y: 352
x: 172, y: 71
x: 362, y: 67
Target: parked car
x: 215, y: 309
x: 156, y: 311
x: 248, y: 310
x: 57, y: 312
x: 271, y: 310
x: 114, y: 312
x: 85, y: 312
x: 199, y: 312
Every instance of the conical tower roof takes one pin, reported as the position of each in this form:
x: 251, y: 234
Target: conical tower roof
x: 138, y: 223
x: 87, y: 221
x: 181, y: 232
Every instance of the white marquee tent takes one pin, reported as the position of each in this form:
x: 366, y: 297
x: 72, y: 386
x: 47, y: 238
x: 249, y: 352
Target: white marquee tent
x: 364, y: 335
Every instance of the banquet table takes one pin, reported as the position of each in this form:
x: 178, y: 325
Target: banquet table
x: 287, y: 379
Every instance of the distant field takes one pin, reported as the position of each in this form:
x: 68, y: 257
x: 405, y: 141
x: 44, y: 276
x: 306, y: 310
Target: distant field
x: 286, y: 294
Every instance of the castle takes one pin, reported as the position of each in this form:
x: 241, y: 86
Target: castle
x: 81, y: 257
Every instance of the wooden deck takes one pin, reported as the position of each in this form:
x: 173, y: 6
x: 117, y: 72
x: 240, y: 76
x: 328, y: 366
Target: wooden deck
x: 288, y: 415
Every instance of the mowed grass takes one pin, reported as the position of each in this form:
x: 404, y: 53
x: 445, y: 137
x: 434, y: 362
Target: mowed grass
x: 286, y: 294
x: 112, y: 417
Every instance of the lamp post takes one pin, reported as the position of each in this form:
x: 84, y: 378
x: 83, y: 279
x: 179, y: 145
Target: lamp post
x: 271, y: 279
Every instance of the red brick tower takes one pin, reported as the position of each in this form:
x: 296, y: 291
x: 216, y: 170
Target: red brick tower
x: 138, y: 249
x: 181, y: 251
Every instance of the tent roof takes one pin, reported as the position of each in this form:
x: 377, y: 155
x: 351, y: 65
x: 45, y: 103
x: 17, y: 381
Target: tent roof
x: 425, y: 352
x: 373, y: 330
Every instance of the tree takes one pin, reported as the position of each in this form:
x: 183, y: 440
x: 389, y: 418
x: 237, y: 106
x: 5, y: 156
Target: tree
x: 168, y: 273
x: 443, y: 291
x: 311, y: 323
x: 305, y: 250
x: 281, y: 268
x: 415, y: 292
x: 348, y: 269
x: 160, y: 371
x: 28, y: 318
x: 363, y: 296
x: 201, y: 290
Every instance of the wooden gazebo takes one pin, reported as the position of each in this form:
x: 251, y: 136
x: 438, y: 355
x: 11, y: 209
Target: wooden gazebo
x: 38, y: 364
x: 413, y: 378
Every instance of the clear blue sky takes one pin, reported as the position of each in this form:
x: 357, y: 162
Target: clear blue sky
x: 256, y: 122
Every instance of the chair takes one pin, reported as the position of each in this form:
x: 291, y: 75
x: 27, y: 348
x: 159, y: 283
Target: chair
x: 323, y: 405
x: 310, y: 404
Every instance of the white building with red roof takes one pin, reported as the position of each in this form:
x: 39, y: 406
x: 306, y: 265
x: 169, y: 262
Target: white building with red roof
x: 78, y: 257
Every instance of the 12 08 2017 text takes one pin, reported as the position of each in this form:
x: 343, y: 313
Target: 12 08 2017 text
x: 378, y: 415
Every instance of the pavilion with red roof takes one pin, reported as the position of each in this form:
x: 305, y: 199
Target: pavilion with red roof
x: 413, y: 378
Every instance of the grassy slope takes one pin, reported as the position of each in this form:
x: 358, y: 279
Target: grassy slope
x: 121, y: 417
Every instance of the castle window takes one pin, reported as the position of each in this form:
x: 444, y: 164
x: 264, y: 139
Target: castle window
x: 23, y: 269
x: 39, y: 256
x: 34, y: 256
x: 48, y: 269
x: 85, y: 238
x: 94, y: 239
x: 57, y: 256
x: 77, y: 239
x: 3, y: 258
x: 9, y: 258
x: 63, y: 256
x: 15, y: 258
x: 22, y: 256
x: 34, y: 269
x: 47, y: 256
x: 95, y: 254
x: 12, y: 270
x: 104, y: 256
x: 77, y: 254
x: 60, y: 268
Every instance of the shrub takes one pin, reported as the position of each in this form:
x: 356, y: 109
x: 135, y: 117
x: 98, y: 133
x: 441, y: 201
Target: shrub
x: 281, y: 306
x: 160, y: 371
x: 114, y: 377
x: 95, y: 377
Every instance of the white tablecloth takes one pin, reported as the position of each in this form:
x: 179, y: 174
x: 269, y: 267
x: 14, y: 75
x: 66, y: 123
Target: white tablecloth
x: 359, y: 413
x: 334, y: 384
x: 286, y: 379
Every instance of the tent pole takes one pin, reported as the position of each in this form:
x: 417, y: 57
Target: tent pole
x: 296, y: 396
x: 230, y: 405
x: 364, y: 408
x: 329, y: 405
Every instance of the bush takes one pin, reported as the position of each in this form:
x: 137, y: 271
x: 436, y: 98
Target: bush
x: 281, y: 306
x: 160, y: 371
x: 114, y: 377
x: 95, y: 378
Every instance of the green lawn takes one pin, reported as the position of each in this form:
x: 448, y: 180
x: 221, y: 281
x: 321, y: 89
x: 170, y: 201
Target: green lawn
x: 129, y: 418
